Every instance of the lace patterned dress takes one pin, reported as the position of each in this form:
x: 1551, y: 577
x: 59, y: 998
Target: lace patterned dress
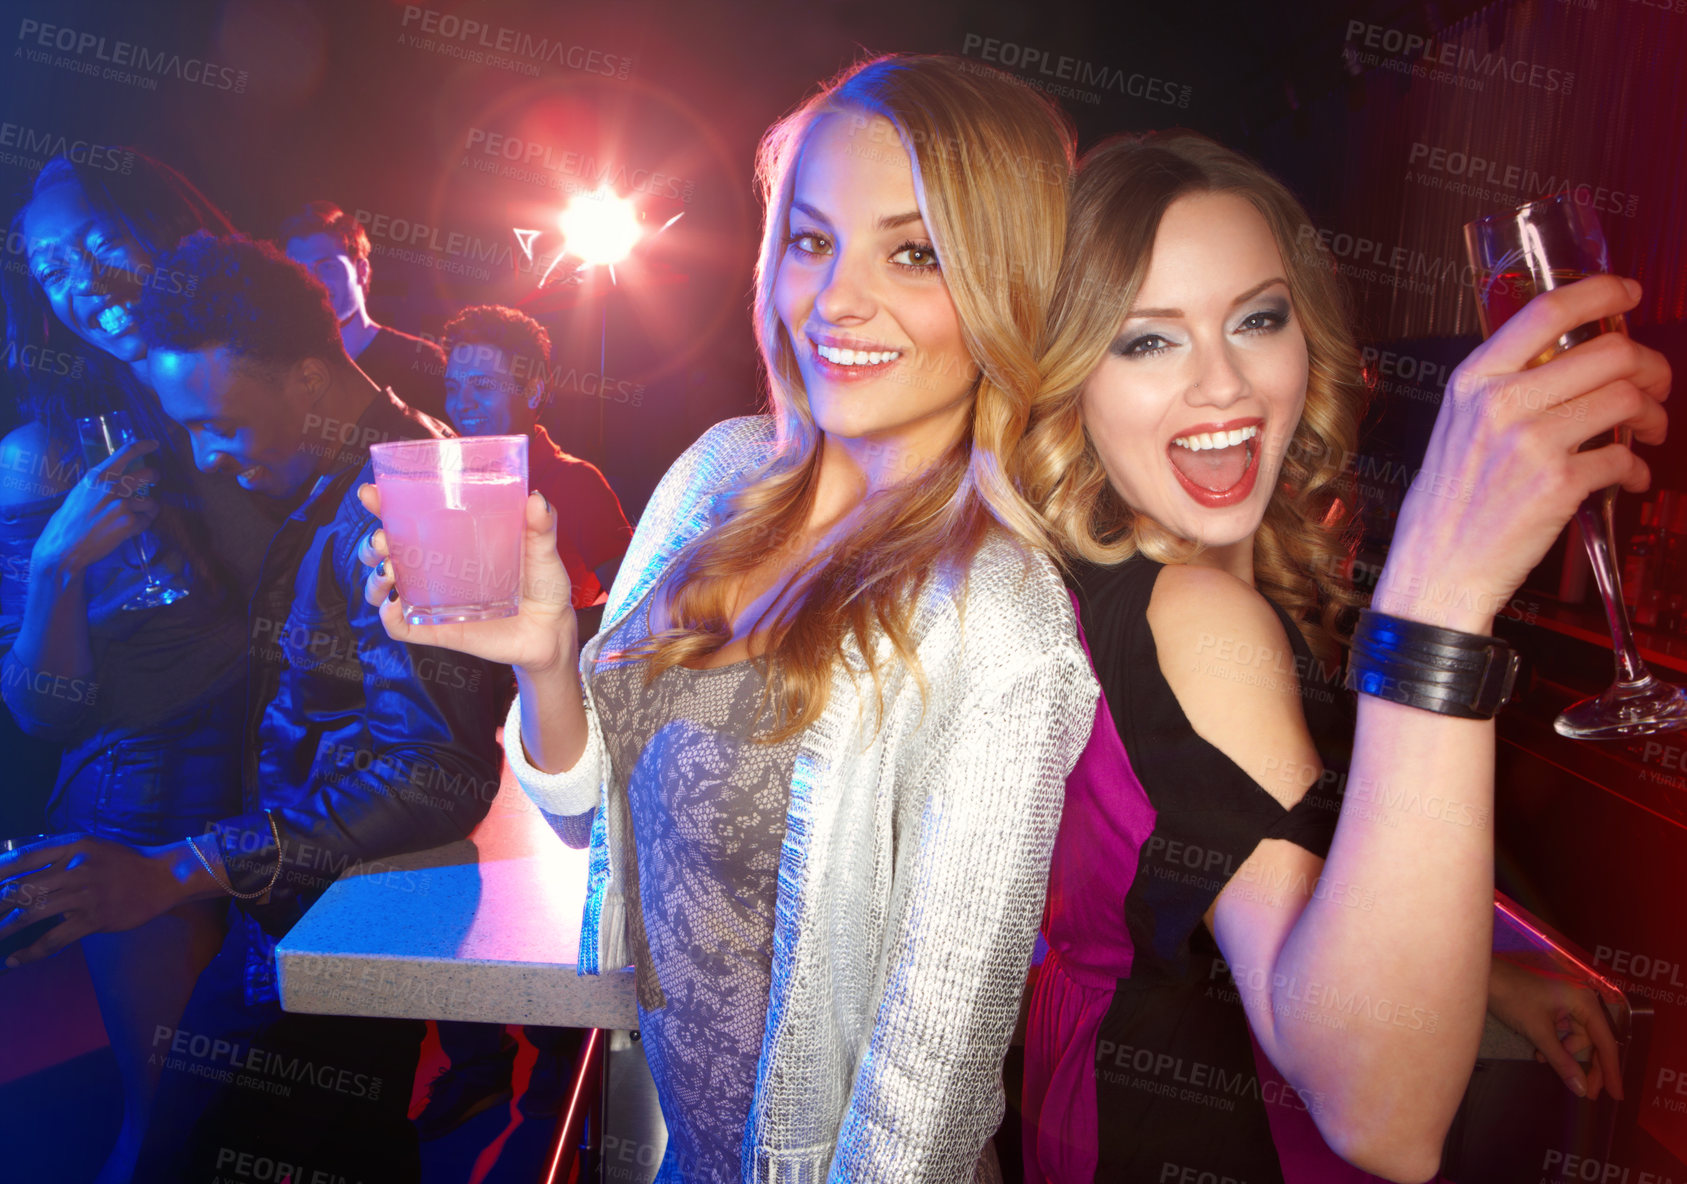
x: 708, y: 806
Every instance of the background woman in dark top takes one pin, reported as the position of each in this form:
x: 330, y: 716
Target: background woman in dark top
x: 1201, y: 394
x: 147, y: 703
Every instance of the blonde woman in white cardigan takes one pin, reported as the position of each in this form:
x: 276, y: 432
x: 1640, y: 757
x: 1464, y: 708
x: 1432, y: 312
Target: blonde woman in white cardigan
x: 820, y: 741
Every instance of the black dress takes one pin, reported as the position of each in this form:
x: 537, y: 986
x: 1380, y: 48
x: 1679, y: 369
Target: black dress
x: 1176, y: 1080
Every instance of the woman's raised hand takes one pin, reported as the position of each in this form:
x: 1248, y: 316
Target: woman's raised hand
x: 1502, y: 474
x: 540, y: 636
x: 110, y: 504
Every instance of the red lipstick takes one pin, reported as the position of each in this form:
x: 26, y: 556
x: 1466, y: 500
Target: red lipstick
x: 1219, y: 499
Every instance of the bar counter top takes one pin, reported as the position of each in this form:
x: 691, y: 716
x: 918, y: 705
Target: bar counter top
x: 486, y: 929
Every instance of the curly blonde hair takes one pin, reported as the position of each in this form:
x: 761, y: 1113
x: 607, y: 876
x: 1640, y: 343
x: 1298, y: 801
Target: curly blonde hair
x: 1303, y: 549
x: 999, y: 248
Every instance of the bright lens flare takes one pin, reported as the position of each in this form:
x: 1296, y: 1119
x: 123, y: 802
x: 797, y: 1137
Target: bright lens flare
x: 600, y: 228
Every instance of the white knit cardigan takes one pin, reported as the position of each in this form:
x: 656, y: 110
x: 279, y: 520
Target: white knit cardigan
x: 915, y: 856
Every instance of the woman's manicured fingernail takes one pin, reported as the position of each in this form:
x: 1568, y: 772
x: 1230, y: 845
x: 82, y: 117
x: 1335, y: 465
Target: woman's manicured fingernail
x: 392, y: 594
x: 545, y: 501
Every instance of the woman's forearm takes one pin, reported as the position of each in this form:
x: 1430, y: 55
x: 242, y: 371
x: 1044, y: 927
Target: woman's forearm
x: 553, y: 714
x: 53, y: 649
x: 1379, y: 992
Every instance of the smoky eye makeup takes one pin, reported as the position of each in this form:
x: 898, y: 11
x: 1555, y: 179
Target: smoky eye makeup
x: 1139, y: 343
x: 1268, y: 317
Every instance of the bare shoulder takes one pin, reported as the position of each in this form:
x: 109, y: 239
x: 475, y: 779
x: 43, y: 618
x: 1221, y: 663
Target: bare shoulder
x: 1223, y: 651
x: 1202, y: 601
x: 29, y: 467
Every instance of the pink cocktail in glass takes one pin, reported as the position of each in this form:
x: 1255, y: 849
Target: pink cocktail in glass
x: 454, y: 511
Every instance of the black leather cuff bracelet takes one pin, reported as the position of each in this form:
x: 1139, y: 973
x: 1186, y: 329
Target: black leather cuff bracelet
x: 1467, y: 675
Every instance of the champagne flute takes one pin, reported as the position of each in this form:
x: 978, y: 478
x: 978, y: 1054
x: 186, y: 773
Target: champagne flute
x: 1516, y: 255
x: 101, y: 436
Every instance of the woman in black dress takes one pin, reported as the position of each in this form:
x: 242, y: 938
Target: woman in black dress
x: 1202, y: 397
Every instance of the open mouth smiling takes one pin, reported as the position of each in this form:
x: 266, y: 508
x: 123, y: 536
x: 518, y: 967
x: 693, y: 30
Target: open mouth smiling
x: 1217, y: 464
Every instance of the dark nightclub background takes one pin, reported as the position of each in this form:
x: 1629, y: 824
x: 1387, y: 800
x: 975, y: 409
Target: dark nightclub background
x: 444, y: 125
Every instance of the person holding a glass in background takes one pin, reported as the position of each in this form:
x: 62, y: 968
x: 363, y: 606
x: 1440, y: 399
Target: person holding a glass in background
x: 124, y: 583
x: 359, y: 748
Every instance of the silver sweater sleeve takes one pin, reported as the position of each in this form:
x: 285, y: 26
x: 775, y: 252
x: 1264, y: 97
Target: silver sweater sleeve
x: 971, y: 869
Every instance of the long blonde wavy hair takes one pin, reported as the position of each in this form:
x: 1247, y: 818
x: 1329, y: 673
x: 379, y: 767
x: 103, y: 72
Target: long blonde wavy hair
x: 992, y: 163
x: 1304, y: 543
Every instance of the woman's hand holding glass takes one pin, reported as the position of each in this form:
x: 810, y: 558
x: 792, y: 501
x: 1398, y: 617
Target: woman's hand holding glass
x: 108, y: 506
x: 1502, y: 474
x: 540, y: 638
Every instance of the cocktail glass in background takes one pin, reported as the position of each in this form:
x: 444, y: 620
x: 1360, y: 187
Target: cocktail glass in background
x: 1516, y: 255
x: 454, y: 511
x: 100, y: 436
